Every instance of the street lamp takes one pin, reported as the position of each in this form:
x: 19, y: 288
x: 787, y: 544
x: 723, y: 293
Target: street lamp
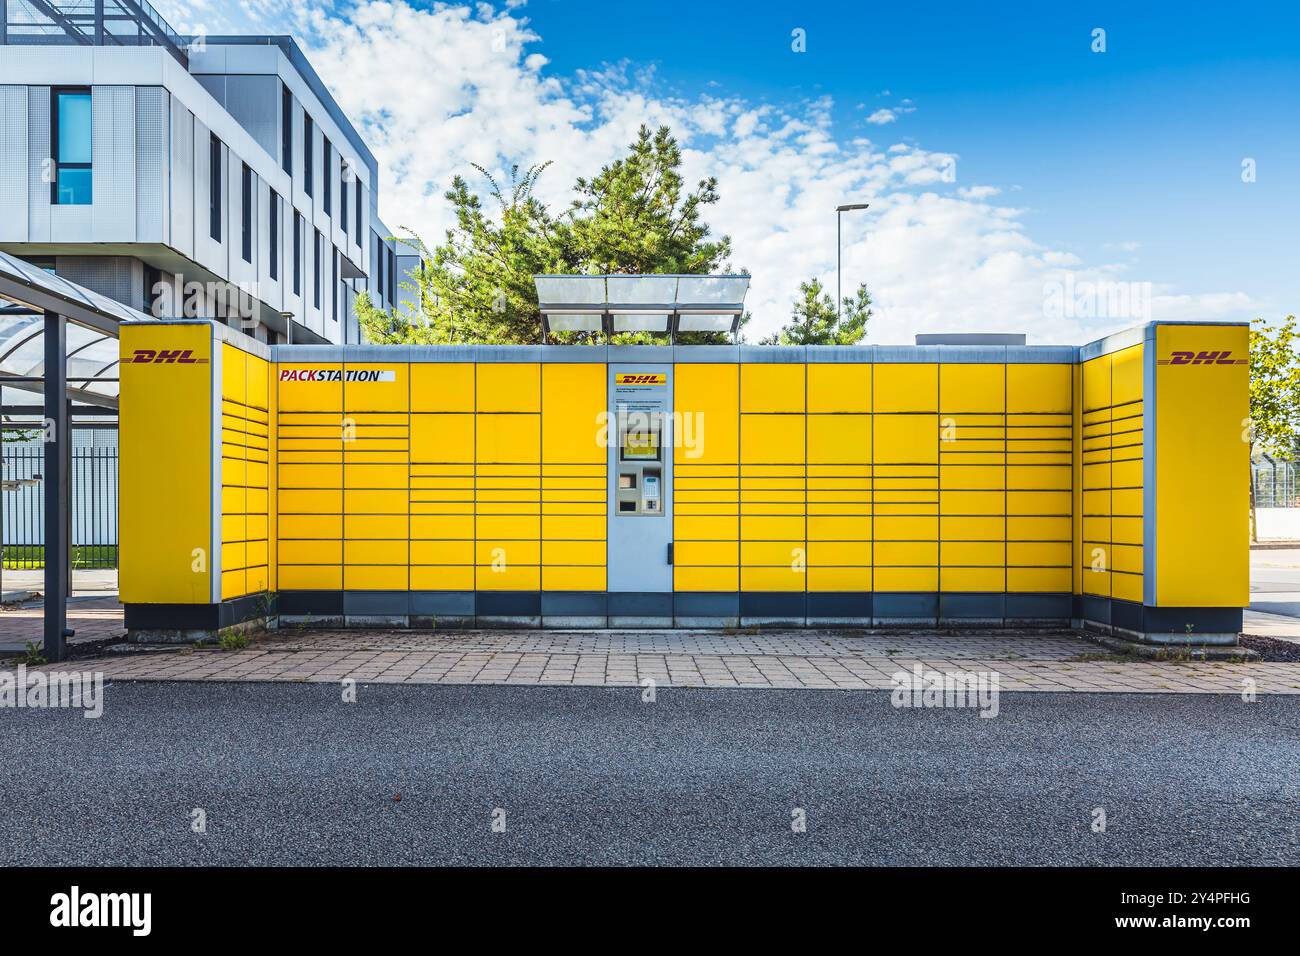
x: 839, y: 250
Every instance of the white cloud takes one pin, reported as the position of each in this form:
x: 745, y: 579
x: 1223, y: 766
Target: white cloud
x: 435, y: 90
x: 882, y: 116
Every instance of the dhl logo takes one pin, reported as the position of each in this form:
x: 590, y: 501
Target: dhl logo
x: 165, y: 357
x: 1201, y: 358
x: 640, y: 378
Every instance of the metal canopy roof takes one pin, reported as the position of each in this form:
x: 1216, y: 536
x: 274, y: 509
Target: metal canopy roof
x: 635, y: 303
x: 26, y: 292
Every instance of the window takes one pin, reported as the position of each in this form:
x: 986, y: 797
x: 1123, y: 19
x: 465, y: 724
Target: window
x: 297, y: 253
x: 286, y: 129
x: 315, y: 274
x: 214, y: 188
x: 152, y: 280
x: 70, y: 132
x: 358, y: 230
x: 308, y: 155
x: 246, y: 217
x: 379, y: 270
x: 325, y: 169
x: 334, y: 284
x: 392, y: 276
x: 343, y: 196
x: 274, y: 245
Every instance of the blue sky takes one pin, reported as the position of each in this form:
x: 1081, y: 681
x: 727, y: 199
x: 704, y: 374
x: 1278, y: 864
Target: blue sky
x: 1124, y: 165
x: 1140, y: 144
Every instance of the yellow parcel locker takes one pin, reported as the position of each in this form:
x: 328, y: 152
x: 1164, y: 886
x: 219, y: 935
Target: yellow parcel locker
x: 905, y: 439
x: 970, y: 387
x: 315, y: 387
x: 709, y: 394
x: 508, y: 387
x: 442, y: 387
x: 772, y: 439
x: 1040, y: 388
x: 509, y: 438
x: 573, y: 408
x: 905, y: 388
x: 839, y: 387
x: 377, y: 387
x: 442, y: 438
x: 839, y: 439
x: 771, y: 388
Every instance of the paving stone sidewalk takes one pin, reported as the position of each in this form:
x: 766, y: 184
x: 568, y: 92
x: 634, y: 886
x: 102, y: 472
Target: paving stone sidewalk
x: 781, y: 659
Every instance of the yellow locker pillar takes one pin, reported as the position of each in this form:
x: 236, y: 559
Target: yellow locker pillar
x: 773, y: 542
x: 1096, y: 414
x: 507, y: 497
x: 309, y: 489
x: 839, y: 492
x: 1040, y: 490
x: 245, y: 473
x: 169, y: 549
x: 1199, y: 526
x: 442, y: 492
x: 234, y: 471
x: 376, y: 501
x: 906, y: 500
x: 574, y: 489
x: 706, y: 492
x: 1127, y: 480
x: 973, y: 497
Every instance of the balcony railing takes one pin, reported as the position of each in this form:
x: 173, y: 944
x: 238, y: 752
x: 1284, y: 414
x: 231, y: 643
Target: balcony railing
x: 88, y: 23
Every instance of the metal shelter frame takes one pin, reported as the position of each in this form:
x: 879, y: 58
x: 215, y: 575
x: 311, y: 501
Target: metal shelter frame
x: 30, y: 291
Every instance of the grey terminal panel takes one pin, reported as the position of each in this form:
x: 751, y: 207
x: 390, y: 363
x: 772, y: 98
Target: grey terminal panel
x: 640, y: 476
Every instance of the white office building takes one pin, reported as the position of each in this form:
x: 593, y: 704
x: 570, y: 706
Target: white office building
x: 181, y: 176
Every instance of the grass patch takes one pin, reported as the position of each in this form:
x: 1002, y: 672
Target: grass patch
x: 31, y: 557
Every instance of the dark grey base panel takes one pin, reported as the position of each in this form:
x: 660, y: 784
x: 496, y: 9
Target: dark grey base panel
x: 688, y: 609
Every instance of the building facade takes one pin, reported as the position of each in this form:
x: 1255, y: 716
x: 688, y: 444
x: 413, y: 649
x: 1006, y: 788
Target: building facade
x: 213, y: 178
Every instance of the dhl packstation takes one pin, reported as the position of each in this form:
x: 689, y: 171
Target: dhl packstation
x: 975, y: 485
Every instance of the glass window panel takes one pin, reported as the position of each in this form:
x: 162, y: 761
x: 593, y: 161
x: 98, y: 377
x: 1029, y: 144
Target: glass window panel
x: 642, y: 290
x: 711, y: 290
x: 572, y: 290
x: 705, y: 323
x: 569, y: 322
x: 74, y: 128
x: 75, y: 186
x: 640, y: 322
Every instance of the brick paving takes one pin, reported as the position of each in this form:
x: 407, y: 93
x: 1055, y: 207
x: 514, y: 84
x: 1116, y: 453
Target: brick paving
x: 94, y: 618
x: 1050, y: 662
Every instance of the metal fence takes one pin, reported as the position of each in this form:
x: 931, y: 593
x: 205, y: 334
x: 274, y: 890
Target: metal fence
x: 93, y: 495
x: 1277, y: 484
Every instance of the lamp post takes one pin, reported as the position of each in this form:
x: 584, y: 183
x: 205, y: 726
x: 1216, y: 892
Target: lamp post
x: 839, y: 250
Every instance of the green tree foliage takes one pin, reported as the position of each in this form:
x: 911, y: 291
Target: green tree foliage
x: 813, y: 319
x: 1275, y: 388
x: 1274, y: 396
x: 634, y: 217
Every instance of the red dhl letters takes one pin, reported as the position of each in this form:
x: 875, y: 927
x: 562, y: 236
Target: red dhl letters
x: 1201, y: 358
x: 165, y: 357
x: 640, y: 378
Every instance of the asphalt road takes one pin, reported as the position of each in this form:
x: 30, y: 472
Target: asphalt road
x: 288, y: 773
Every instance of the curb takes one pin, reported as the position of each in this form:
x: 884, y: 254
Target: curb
x: 1172, y: 652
